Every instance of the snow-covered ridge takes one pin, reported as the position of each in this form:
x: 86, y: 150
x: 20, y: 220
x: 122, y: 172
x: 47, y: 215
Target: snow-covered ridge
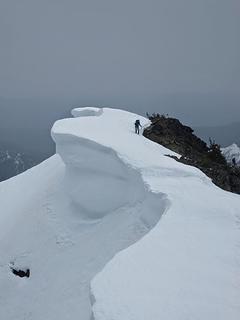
x: 171, y: 272
x: 72, y: 215
x: 232, y: 152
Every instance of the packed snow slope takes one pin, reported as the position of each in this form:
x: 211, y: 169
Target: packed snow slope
x: 77, y: 222
x: 230, y: 152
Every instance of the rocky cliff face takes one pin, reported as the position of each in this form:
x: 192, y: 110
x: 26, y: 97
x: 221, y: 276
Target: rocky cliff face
x: 172, y: 134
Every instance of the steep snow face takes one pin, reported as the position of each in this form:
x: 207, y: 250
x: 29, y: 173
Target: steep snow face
x: 96, y: 172
x: 230, y: 152
x: 94, y: 167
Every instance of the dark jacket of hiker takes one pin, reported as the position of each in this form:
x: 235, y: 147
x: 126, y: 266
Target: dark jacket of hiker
x: 137, y: 125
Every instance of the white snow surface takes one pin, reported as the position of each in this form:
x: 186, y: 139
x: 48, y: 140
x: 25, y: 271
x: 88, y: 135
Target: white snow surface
x: 111, y: 228
x: 230, y: 152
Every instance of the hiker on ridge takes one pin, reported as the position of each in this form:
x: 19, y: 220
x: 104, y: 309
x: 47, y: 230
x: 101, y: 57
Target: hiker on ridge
x: 137, y: 125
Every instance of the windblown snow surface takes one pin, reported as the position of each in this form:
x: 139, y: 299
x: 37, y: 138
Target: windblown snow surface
x: 110, y: 228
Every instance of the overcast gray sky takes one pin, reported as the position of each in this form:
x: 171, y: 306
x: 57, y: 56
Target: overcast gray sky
x: 180, y: 56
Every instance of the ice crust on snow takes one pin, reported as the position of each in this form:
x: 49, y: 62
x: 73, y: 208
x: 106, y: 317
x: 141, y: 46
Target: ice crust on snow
x: 106, y: 189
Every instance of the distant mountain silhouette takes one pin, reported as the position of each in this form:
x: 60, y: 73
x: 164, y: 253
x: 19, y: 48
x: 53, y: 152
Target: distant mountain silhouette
x: 232, y: 154
x: 13, y: 163
x: 224, y: 135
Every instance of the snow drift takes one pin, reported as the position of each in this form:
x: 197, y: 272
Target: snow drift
x: 68, y: 220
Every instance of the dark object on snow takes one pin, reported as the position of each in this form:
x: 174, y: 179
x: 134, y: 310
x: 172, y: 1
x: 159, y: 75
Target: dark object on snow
x: 234, y: 161
x: 172, y: 134
x: 21, y: 273
x: 137, y: 125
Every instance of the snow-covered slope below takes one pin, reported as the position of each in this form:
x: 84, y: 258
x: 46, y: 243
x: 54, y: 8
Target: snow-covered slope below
x: 64, y: 220
x: 67, y: 219
x: 230, y: 152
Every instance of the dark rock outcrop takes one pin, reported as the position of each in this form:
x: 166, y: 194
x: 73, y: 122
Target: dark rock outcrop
x: 21, y: 273
x: 172, y: 134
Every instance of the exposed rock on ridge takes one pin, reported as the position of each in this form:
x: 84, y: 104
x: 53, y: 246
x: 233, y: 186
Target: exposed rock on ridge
x: 172, y: 134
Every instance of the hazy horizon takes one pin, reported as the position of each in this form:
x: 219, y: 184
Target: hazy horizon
x: 192, y: 109
x: 169, y: 56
